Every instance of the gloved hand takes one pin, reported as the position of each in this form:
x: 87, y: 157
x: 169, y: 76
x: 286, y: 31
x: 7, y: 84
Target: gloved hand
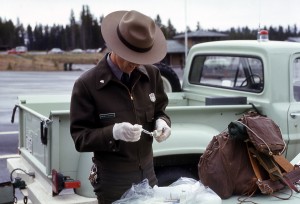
x: 162, y: 127
x: 127, y: 132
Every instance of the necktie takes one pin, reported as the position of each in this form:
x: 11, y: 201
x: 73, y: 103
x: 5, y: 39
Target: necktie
x: 125, y: 79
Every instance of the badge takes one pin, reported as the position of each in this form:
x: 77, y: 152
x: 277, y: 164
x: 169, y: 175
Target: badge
x: 152, y: 97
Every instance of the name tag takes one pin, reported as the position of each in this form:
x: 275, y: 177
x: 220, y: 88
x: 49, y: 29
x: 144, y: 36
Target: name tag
x: 107, y: 116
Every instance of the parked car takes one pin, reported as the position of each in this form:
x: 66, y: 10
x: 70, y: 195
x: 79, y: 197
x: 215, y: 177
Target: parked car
x: 56, y: 51
x: 18, y: 50
x: 90, y: 50
x: 77, y: 51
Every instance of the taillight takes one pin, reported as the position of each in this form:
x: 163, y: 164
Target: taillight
x: 60, y: 182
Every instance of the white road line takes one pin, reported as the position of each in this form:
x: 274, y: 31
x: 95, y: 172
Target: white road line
x: 7, y: 156
x: 9, y: 133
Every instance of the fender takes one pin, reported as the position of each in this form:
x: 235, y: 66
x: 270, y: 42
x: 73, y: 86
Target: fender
x: 198, y: 137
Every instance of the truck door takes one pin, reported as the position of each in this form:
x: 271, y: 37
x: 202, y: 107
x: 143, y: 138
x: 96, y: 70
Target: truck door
x: 294, y: 110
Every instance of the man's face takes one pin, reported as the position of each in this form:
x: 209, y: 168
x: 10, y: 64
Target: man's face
x: 125, y: 65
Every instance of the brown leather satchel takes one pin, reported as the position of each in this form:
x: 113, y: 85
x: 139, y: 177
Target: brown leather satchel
x: 235, y: 164
x: 225, y: 167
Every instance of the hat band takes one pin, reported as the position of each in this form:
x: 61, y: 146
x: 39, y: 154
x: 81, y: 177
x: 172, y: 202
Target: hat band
x: 129, y: 45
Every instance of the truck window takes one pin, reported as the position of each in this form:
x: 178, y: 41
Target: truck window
x: 296, y: 78
x: 230, y: 72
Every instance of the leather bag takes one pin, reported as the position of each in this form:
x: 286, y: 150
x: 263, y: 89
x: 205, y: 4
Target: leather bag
x: 225, y: 167
x: 235, y: 164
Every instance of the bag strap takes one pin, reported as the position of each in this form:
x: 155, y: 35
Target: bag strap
x: 254, y: 164
x: 265, y: 186
x: 283, y: 163
x: 269, y: 186
x: 256, y: 111
x: 275, y: 173
x: 290, y: 175
x: 268, y: 164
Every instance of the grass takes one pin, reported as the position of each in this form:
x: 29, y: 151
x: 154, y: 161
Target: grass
x: 45, y: 62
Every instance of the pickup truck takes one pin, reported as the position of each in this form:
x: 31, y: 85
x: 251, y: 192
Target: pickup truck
x: 221, y: 81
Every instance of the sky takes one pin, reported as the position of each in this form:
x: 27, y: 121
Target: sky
x: 210, y: 14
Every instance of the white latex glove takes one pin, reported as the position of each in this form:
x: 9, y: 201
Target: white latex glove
x: 127, y: 132
x: 162, y: 127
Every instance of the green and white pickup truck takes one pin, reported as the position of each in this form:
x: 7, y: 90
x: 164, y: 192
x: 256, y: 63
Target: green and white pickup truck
x: 221, y: 81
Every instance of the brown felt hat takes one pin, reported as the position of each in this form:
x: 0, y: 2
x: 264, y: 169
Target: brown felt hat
x: 134, y: 37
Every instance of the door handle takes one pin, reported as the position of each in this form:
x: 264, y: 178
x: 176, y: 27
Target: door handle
x: 294, y: 114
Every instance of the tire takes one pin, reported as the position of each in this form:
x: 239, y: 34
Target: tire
x: 170, y: 174
x: 170, y: 79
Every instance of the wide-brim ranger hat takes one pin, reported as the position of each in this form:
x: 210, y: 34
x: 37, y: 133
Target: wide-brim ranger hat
x: 134, y: 37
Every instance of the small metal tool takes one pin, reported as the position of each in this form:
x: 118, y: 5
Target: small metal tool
x: 155, y: 133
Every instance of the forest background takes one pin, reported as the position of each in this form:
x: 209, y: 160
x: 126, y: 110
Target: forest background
x: 85, y: 33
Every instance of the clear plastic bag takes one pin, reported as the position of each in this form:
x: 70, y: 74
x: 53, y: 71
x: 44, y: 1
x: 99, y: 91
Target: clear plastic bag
x: 184, y: 190
x: 138, y: 193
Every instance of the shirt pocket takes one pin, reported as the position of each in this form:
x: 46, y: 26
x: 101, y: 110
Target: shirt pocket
x: 106, y: 119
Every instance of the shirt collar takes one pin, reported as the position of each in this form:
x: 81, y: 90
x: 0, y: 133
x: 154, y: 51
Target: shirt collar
x: 117, y: 71
x: 114, y: 68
